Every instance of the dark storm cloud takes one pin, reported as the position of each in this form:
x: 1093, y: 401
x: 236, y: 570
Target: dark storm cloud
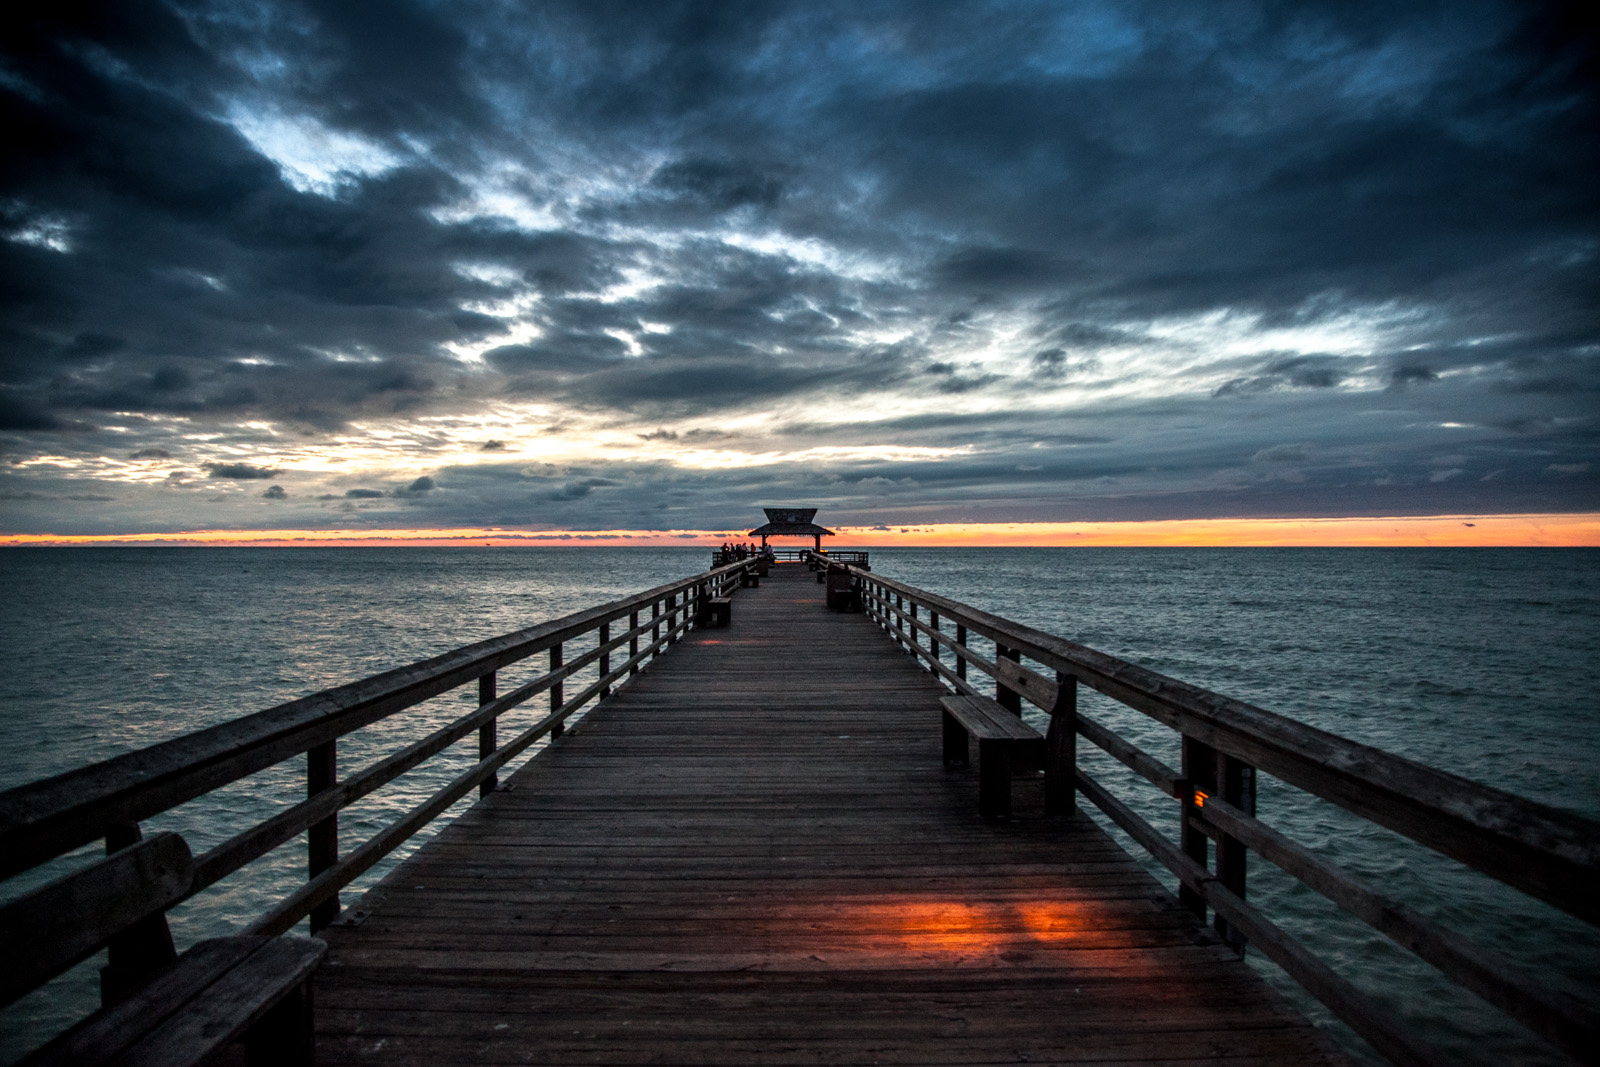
x: 219, y: 215
x: 239, y: 471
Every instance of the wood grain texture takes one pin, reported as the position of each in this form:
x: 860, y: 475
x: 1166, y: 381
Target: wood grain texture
x: 752, y: 853
x: 1544, y: 851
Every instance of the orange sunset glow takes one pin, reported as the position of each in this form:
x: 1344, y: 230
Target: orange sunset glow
x: 1438, y: 531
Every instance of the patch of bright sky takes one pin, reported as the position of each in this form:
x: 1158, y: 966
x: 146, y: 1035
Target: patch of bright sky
x: 1225, y: 332
x: 636, y: 281
x: 311, y: 157
x: 628, y: 339
x: 727, y: 459
x: 812, y: 252
x: 44, y: 231
x: 501, y: 203
x: 497, y: 274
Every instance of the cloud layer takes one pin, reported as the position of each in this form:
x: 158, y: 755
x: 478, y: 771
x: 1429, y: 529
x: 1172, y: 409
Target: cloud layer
x: 603, y: 266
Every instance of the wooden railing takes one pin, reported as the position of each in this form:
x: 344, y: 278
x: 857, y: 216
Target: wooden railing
x: 854, y: 556
x: 49, y: 818
x: 1545, y: 852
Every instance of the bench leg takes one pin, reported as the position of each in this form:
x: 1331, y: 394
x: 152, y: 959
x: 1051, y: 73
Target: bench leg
x: 283, y: 1035
x: 994, y: 780
x: 955, y: 741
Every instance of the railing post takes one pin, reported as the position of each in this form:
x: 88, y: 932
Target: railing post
x: 655, y: 627
x: 556, y: 698
x: 633, y: 643
x: 702, y: 607
x: 605, y: 659
x: 961, y: 661
x: 1236, y: 783
x: 672, y: 616
x: 1006, y: 697
x: 899, y: 619
x: 1199, y: 773
x: 134, y: 953
x: 933, y: 642
x: 1061, y: 749
x: 322, y: 838
x: 911, y: 627
x: 487, y: 742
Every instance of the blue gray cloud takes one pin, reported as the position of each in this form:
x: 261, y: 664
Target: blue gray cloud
x: 935, y: 261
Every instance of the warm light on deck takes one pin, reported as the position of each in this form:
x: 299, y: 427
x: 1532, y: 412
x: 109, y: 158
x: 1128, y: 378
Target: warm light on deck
x: 963, y: 927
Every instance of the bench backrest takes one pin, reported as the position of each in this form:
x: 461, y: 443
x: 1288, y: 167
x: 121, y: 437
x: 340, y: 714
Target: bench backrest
x: 48, y: 930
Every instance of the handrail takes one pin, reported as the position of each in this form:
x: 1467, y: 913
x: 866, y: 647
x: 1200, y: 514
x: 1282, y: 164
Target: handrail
x: 54, y: 815
x: 45, y: 819
x: 1546, y: 852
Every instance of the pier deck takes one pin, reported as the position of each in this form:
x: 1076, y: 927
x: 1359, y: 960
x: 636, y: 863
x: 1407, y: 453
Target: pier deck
x: 752, y: 854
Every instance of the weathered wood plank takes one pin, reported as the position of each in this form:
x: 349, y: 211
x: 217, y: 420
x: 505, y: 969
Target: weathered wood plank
x: 752, y: 853
x: 54, y: 815
x: 48, y: 930
x: 1544, y: 851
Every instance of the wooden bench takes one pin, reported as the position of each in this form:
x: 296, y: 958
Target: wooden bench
x: 750, y: 578
x: 719, y: 611
x: 254, y: 989
x: 842, y: 593
x: 1006, y: 745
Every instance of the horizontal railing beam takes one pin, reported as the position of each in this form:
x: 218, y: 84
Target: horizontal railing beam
x: 1375, y: 1023
x: 1544, y: 851
x: 46, y: 818
x: 1558, y: 1015
x: 300, y: 903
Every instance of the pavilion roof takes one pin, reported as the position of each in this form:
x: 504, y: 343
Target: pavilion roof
x: 797, y: 529
x: 792, y: 522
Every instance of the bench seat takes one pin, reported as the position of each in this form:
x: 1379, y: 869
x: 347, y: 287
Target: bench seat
x: 1006, y: 744
x: 719, y: 611
x: 221, y: 990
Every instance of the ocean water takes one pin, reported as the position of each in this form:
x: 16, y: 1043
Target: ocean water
x: 1477, y: 661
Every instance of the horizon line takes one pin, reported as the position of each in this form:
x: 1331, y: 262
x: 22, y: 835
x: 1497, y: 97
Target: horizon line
x: 1528, y: 530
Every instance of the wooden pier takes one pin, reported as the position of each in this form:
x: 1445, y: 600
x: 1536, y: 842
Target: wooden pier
x: 759, y: 842
x: 752, y: 854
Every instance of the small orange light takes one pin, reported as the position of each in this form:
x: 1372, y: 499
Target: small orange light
x: 1199, y: 799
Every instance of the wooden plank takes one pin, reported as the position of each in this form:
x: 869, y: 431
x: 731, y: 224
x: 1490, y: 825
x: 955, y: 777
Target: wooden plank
x: 228, y: 1006
x: 986, y: 720
x: 107, y: 1033
x: 44, y: 932
x: 52, y: 816
x: 751, y: 853
x: 1544, y: 851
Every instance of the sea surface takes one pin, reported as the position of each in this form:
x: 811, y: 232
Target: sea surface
x: 1476, y: 661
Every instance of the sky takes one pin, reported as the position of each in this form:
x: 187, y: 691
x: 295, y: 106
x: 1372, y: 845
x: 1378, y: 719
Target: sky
x: 544, y: 268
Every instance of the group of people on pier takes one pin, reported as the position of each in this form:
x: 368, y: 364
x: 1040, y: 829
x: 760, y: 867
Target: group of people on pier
x: 732, y: 553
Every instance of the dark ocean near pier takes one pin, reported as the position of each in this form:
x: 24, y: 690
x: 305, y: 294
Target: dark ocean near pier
x: 1476, y: 661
